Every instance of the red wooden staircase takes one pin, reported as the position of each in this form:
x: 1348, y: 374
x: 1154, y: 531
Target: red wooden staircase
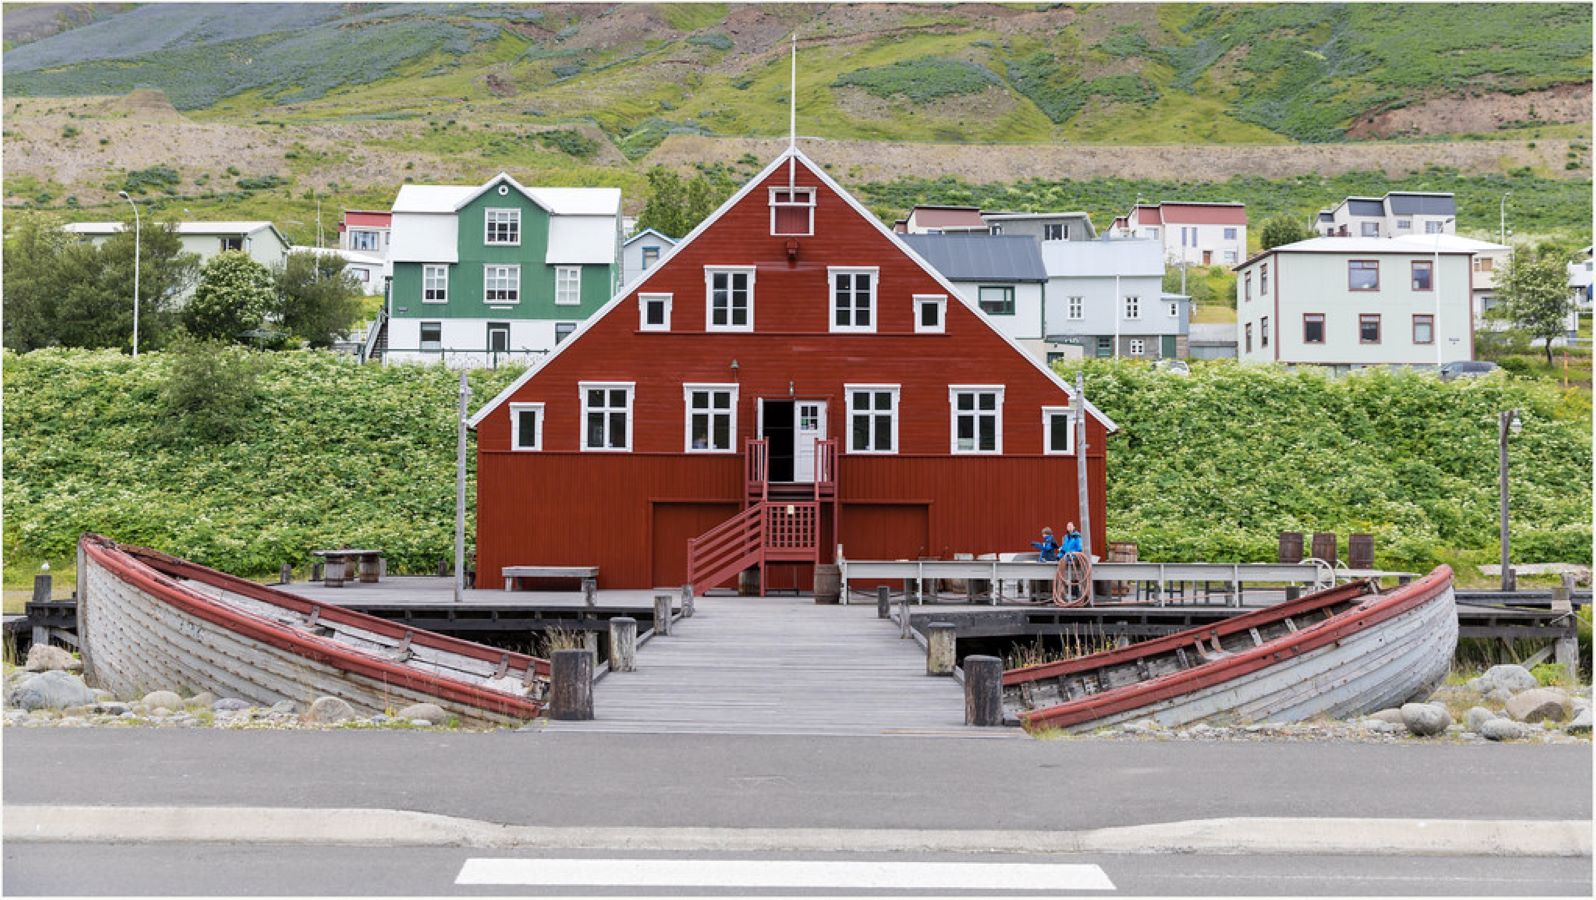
x: 779, y: 522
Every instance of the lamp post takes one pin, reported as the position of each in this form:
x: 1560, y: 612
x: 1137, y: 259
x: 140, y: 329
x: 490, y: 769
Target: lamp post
x: 1501, y: 234
x: 1508, y: 422
x: 1435, y: 286
x: 137, y: 241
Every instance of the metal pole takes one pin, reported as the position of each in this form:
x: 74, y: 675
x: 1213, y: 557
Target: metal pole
x: 1501, y: 234
x: 460, y: 491
x: 1503, y: 426
x: 1085, y: 511
x: 1435, y: 285
x: 1118, y: 302
x: 138, y: 240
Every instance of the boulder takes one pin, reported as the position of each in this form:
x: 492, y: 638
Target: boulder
x: 202, y: 700
x: 1581, y: 723
x: 230, y: 704
x: 1477, y: 716
x: 1502, y: 730
x: 50, y: 690
x: 421, y: 723
x: 1538, y: 704
x: 160, y: 712
x: 1380, y: 726
x: 432, y: 712
x: 1392, y: 715
x: 110, y: 708
x: 327, y: 710
x: 1425, y: 719
x: 49, y: 658
x: 1499, y: 695
x: 168, y: 699
x: 1512, y: 678
x: 284, y: 706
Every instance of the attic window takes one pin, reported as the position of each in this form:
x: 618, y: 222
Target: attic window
x: 792, y: 212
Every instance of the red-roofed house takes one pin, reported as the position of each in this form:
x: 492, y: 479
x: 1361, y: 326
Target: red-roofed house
x: 942, y: 219
x: 1199, y: 234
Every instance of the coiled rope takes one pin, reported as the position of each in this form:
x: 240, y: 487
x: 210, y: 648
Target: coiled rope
x: 1072, y: 582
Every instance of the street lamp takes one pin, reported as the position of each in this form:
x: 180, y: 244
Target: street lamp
x: 137, y: 240
x: 1501, y: 235
x: 1435, y: 285
x: 1508, y: 422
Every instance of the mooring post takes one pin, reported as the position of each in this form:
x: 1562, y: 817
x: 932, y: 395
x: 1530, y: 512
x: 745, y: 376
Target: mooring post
x: 883, y: 602
x: 590, y: 592
x: 1293, y: 591
x: 443, y: 568
x: 590, y: 643
x: 941, y: 648
x: 285, y: 574
x: 571, y: 688
x: 983, y: 691
x: 1565, y: 650
x: 903, y: 616
x: 687, y: 601
x: 41, y: 588
x: 662, y: 614
x: 623, y: 644
x: 316, y: 570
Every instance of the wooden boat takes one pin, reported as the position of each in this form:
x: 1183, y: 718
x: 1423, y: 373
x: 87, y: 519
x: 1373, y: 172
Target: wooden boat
x: 1339, y: 652
x: 149, y: 621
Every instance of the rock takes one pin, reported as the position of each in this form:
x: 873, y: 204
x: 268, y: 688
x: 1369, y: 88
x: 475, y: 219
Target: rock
x: 1540, y: 703
x: 54, y: 689
x: 1581, y: 723
x: 168, y: 699
x: 1392, y: 715
x: 329, y: 709
x: 1477, y: 716
x: 1502, y: 730
x: 1381, y: 726
x: 160, y: 712
x: 1499, y: 695
x: 203, y: 700
x: 1513, y: 678
x: 104, y: 696
x: 1425, y: 719
x: 432, y: 712
x: 50, y: 658
x: 421, y: 723
x: 379, y: 719
x: 230, y: 704
x: 284, y: 706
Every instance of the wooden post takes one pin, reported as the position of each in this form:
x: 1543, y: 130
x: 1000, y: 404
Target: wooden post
x: 285, y: 574
x: 41, y: 588
x: 443, y: 568
x: 571, y: 690
x: 590, y: 592
x: 1293, y: 591
x: 941, y: 650
x: 883, y: 602
x: 1565, y: 650
x: 590, y: 643
x: 662, y: 614
x: 903, y: 616
x: 623, y: 644
x: 687, y: 601
x: 316, y: 570
x: 983, y: 691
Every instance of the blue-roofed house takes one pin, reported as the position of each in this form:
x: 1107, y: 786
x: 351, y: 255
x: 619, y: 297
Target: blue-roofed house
x: 1002, y: 274
x: 1397, y: 214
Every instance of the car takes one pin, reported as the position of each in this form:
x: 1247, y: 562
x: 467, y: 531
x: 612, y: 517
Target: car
x: 1173, y: 366
x: 1467, y: 368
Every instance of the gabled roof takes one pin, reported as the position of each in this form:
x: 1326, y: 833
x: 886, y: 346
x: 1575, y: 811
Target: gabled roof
x: 647, y: 231
x: 1417, y: 245
x: 197, y: 228
x: 793, y: 153
x: 450, y: 198
x: 981, y: 257
x: 372, y: 217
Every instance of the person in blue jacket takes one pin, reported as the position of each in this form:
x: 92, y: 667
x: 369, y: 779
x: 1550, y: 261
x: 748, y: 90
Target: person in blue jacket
x: 1047, y: 546
x: 1072, y: 540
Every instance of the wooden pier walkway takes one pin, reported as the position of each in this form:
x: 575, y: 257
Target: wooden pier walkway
x: 780, y: 665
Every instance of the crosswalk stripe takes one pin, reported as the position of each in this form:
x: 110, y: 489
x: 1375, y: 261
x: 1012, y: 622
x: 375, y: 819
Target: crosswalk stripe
x: 765, y: 873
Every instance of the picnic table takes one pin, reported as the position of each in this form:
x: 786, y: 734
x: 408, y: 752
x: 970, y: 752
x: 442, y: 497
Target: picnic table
x: 338, y: 562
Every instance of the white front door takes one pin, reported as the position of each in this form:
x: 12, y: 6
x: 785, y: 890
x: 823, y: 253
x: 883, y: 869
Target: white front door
x: 809, y: 426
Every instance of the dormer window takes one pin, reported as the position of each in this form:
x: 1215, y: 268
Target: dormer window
x: 503, y: 227
x: 792, y: 212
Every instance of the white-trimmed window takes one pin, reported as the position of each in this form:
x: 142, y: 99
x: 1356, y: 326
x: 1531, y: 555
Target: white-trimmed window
x: 606, y: 415
x: 563, y: 330
x: 792, y: 211
x: 431, y: 335
x: 1075, y: 308
x: 872, y: 418
x: 930, y: 313
x: 501, y: 227
x: 501, y: 284
x: 1138, y: 347
x: 729, y: 298
x: 1059, y: 232
x: 1058, y: 430
x: 654, y: 312
x: 711, y: 411
x: 361, y: 239
x: 853, y: 298
x: 977, y: 417
x: 567, y: 285
x: 1133, y: 307
x: 434, y: 284
x: 526, y: 426
x: 1174, y: 309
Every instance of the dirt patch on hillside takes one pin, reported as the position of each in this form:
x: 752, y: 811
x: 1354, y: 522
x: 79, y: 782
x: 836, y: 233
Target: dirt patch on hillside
x: 1479, y: 114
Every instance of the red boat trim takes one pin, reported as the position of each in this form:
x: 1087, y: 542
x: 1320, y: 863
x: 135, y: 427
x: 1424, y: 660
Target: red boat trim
x: 1373, y: 612
x: 133, y: 570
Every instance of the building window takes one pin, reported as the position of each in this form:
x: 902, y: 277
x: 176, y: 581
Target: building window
x: 1363, y: 275
x: 1230, y: 234
x: 1133, y: 307
x: 362, y: 274
x: 1263, y: 332
x: 563, y: 330
x: 650, y: 256
x: 1369, y: 328
x: 977, y: 418
x: 1313, y: 328
x: 853, y: 299
x: 1263, y: 278
x: 930, y: 313
x: 1247, y: 287
x: 1423, y: 270
x: 1075, y: 308
x: 1054, y: 233
x: 711, y: 417
x: 606, y: 416
x: 1058, y: 430
x: 1138, y: 347
x: 503, y: 227
x: 432, y: 335
x: 567, y: 285
x: 501, y: 284
x: 997, y: 300
x: 730, y: 305
x: 362, y: 240
x: 434, y: 284
x: 1174, y: 309
x: 655, y: 312
x: 498, y: 337
x: 1371, y: 229
x: 232, y: 243
x: 1482, y: 263
x: 1424, y: 328
x: 1230, y: 257
x: 1247, y: 346
x: 1105, y: 347
x: 872, y: 418
x: 526, y: 426
x: 1432, y: 227
x: 792, y: 212
x: 1404, y: 224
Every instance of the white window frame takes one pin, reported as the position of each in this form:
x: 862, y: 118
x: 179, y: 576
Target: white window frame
x: 1051, y: 228
x: 793, y: 192
x: 940, y: 301
x: 562, y: 272
x: 688, y: 390
x: 428, y: 270
x: 1133, y: 306
x: 1136, y: 347
x: 831, y: 291
x: 1075, y: 308
x: 709, y: 290
x: 513, y: 217
x: 568, y: 335
x: 630, y: 387
x: 1048, y: 412
x: 514, y: 269
x: 848, y: 390
x: 642, y: 256
x: 364, y: 239
x: 1434, y: 227
x: 643, y: 300
x: 1174, y: 309
x: 515, y: 427
x: 957, y: 390
x: 421, y: 328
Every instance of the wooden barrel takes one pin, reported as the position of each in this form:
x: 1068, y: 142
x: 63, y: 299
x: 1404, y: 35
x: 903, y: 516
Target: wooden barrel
x: 1122, y: 551
x: 1324, y: 546
x: 1290, y: 547
x: 1360, y: 551
x: 748, y: 582
x: 828, y: 583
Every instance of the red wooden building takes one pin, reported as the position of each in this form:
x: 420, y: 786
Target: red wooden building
x: 789, y: 377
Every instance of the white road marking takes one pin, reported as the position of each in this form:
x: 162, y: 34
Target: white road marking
x: 767, y: 873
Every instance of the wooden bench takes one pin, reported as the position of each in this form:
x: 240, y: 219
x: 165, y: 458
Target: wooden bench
x: 587, y: 574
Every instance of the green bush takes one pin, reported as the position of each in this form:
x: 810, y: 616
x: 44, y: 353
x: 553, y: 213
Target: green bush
x: 159, y: 177
x: 210, y: 389
x: 921, y: 80
x: 568, y: 141
x: 261, y: 182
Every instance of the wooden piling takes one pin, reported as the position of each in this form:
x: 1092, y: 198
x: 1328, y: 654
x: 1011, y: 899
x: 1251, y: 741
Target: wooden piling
x: 571, y: 687
x: 285, y: 574
x: 883, y: 602
x: 983, y: 691
x: 687, y: 601
x: 443, y: 568
x: 662, y: 614
x: 941, y: 650
x: 1293, y: 591
x: 623, y: 644
x: 590, y: 643
x: 590, y: 591
x: 1565, y: 650
x: 903, y: 616
x: 41, y: 588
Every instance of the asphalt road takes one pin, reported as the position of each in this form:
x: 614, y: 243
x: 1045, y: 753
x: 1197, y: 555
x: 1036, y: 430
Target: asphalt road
x: 569, y: 779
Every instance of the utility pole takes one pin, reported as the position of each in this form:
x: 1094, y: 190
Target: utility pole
x: 1081, y: 482
x: 1501, y: 234
x: 138, y: 240
x: 460, y: 490
x: 1505, y: 422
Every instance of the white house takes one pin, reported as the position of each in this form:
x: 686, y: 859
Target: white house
x: 1397, y: 214
x: 1001, y: 274
x: 1106, y: 298
x: 261, y: 240
x: 1197, y: 234
x: 1349, y: 302
x: 366, y: 268
x: 1044, y: 226
x: 1486, y: 258
x: 641, y: 251
x: 941, y: 219
x: 1579, y: 281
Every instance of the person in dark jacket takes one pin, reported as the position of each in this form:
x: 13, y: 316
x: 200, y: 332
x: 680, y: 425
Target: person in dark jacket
x: 1047, y: 546
x: 1072, y: 540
